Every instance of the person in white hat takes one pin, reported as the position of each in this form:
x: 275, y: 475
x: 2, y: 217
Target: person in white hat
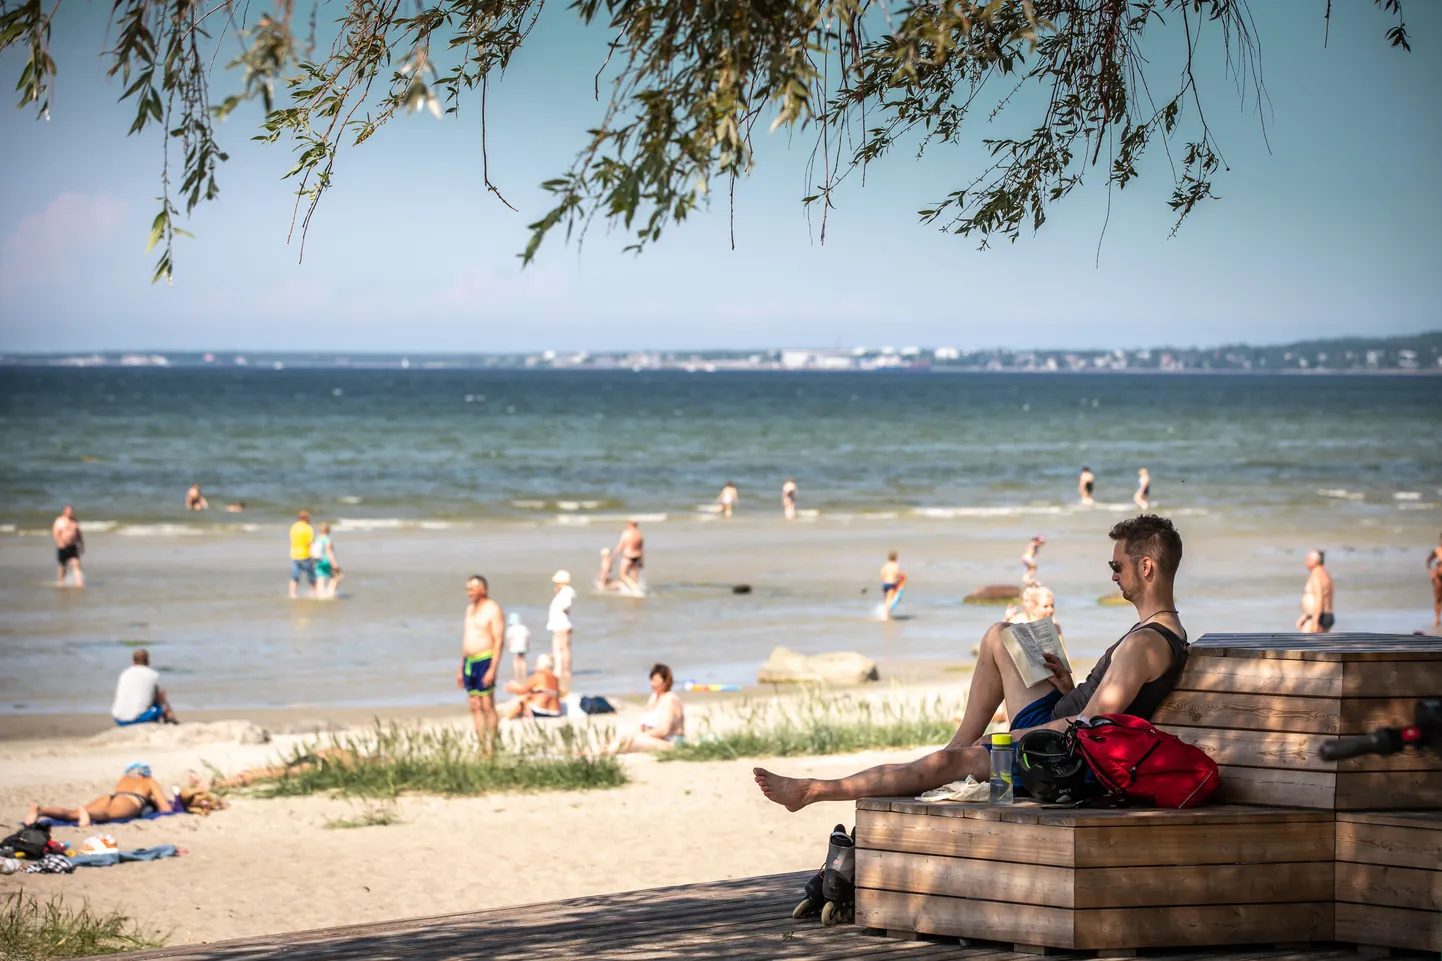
x: 559, y: 624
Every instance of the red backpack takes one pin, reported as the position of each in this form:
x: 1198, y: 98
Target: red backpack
x: 1134, y: 762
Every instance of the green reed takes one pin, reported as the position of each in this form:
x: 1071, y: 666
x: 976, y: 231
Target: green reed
x: 35, y: 930
x: 390, y: 758
x: 817, y: 724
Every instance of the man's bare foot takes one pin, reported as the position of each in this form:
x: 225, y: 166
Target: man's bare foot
x: 789, y: 792
x: 32, y: 815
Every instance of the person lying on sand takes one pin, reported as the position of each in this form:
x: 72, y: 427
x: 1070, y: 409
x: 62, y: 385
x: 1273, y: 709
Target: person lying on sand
x: 664, y: 722
x: 1132, y: 677
x: 274, y: 772
x: 137, y: 794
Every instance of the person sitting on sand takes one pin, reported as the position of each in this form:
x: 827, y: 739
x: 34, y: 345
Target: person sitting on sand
x: 195, y: 500
x: 137, y: 795
x: 139, y: 699
x: 1132, y: 677
x: 539, y: 696
x: 664, y: 722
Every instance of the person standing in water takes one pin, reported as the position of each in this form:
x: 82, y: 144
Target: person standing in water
x: 302, y: 535
x: 1317, y: 615
x: 482, y: 635
x: 327, y: 568
x: 1142, y: 498
x: 1028, y: 560
x: 890, y: 581
x: 727, y: 498
x: 69, y: 545
x: 1085, y: 485
x: 195, y: 500
x: 631, y: 549
x: 789, y: 494
x: 1434, y: 572
x: 558, y: 622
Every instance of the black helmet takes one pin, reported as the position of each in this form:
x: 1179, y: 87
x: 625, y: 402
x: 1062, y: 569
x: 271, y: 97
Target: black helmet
x: 1051, y: 769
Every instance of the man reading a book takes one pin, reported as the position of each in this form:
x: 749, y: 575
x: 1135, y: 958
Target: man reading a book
x: 1132, y: 677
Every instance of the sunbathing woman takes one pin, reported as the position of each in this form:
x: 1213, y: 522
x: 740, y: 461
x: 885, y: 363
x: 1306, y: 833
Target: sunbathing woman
x: 137, y: 795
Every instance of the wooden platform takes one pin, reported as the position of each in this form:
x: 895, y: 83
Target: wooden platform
x: 748, y: 918
x: 1263, y: 704
x: 1389, y: 880
x: 1095, y: 879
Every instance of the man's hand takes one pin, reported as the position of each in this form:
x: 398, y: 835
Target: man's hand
x: 490, y: 677
x: 1060, y: 677
x: 460, y: 680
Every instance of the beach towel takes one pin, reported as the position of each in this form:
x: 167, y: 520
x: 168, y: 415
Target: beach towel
x: 117, y: 857
x: 52, y: 822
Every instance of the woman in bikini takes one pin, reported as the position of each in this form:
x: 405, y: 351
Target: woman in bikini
x: 137, y: 795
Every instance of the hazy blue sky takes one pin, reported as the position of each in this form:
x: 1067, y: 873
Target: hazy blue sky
x: 1334, y: 231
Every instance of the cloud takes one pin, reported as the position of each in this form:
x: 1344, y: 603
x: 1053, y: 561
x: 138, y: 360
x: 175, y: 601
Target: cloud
x: 42, y: 248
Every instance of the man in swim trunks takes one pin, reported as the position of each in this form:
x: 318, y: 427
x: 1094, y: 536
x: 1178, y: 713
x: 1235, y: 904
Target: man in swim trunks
x: 482, y: 635
x: 139, y: 698
x: 302, y: 535
x: 1317, y: 616
x: 1434, y: 571
x: 631, y: 549
x: 1085, y: 485
x: 890, y: 580
x: 69, y: 545
x: 1132, y: 677
x: 789, y: 494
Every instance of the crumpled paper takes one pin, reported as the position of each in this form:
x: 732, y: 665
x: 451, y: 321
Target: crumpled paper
x: 969, y: 790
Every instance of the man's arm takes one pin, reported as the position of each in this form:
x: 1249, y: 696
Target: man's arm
x: 497, y: 622
x: 1144, y: 656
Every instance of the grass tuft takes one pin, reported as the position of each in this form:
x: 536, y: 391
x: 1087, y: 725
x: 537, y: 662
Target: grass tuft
x: 367, y: 817
x: 390, y: 758
x: 35, y: 930
x: 814, y: 724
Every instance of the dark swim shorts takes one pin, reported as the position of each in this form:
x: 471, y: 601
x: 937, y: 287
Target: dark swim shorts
x: 473, y: 675
x: 64, y: 555
x: 1325, y: 620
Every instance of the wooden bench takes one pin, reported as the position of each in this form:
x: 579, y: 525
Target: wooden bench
x: 1094, y: 880
x: 1263, y: 704
x: 1389, y: 880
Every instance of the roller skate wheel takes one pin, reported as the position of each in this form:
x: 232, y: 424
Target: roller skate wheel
x: 829, y: 912
x: 805, y: 909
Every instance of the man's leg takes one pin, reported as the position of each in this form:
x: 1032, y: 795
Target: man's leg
x: 78, y: 574
x: 294, y: 578
x: 994, y: 679
x: 60, y: 574
x: 478, y: 718
x: 561, y: 654
x: 488, y: 720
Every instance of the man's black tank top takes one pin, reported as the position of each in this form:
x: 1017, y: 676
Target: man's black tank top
x: 1151, y: 693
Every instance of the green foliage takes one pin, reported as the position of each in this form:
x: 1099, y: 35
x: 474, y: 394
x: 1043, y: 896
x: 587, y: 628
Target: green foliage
x: 689, y: 82
x: 815, y: 724
x: 390, y: 758
x: 34, y: 930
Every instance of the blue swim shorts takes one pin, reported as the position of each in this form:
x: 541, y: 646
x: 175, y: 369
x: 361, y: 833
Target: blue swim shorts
x: 473, y: 675
x: 152, y: 713
x: 305, y: 568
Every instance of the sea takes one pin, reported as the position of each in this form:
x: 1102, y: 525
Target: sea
x: 427, y: 476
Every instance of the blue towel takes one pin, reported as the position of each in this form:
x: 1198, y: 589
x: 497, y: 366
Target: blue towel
x: 116, y: 857
x: 71, y: 824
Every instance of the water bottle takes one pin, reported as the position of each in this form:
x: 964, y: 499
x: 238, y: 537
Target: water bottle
x: 1001, y: 768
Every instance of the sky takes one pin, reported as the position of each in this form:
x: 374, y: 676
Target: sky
x: 1327, y: 225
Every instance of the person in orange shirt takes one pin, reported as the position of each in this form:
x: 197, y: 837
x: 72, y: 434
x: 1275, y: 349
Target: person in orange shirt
x: 539, y: 696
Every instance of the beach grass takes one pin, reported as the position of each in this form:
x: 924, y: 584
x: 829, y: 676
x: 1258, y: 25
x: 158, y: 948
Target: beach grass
x: 815, y: 724
x: 390, y: 758
x: 370, y: 816
x: 34, y: 930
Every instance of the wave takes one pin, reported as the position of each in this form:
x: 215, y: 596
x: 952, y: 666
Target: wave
x: 161, y: 530
x: 582, y: 520
x: 951, y: 513
x: 1407, y: 496
x: 361, y: 524
x: 1341, y: 493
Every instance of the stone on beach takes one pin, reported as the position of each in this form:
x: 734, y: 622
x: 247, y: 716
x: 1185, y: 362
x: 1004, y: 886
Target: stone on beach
x: 175, y: 735
x: 993, y: 594
x: 840, y: 668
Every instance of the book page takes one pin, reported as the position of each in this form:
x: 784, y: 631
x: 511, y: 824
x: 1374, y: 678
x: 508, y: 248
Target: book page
x: 1026, y: 643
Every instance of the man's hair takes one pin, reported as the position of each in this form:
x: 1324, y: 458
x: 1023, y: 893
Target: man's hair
x: 666, y: 677
x: 141, y: 656
x: 891, y: 556
x: 1151, y: 535
x: 1321, y: 556
x: 304, y: 515
x: 484, y: 582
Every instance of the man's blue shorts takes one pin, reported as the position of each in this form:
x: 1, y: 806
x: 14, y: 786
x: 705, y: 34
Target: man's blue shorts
x: 305, y: 568
x: 473, y: 676
x: 152, y: 713
x: 1038, y: 712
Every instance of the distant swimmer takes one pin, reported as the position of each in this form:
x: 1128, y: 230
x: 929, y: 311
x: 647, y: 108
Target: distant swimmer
x: 1086, y: 484
x: 1028, y: 560
x: 604, y: 579
x: 69, y: 545
x: 890, y: 582
x: 235, y: 508
x: 302, y: 535
x: 727, y: 498
x: 1434, y: 571
x: 631, y: 549
x: 788, y: 499
x: 195, y: 500
x: 1142, y: 498
x: 1317, y: 615
x: 482, y: 635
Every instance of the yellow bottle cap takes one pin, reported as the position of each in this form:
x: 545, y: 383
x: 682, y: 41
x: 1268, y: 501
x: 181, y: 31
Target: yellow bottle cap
x: 1001, y: 740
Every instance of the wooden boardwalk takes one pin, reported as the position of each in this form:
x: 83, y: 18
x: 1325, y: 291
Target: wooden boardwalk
x: 746, y: 918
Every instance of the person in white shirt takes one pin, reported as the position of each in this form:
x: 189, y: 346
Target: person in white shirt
x: 518, y: 642
x: 558, y: 622
x: 138, y: 696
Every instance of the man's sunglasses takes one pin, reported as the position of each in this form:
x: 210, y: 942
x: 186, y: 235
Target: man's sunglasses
x: 1117, y: 568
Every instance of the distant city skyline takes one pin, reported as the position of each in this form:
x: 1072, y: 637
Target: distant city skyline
x: 1326, y: 227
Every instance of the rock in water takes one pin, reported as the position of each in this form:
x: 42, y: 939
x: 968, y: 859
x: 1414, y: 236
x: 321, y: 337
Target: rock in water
x: 994, y: 594
x: 1113, y: 600
x: 741, y: 589
x: 838, y: 668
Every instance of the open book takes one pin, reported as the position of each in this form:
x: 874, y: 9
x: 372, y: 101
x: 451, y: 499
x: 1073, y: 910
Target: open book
x: 1026, y: 643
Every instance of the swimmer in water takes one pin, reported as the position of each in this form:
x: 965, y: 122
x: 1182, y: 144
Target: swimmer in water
x: 1434, y: 572
x: 890, y: 580
x: 69, y: 545
x: 195, y: 500
x: 1085, y: 485
x: 1142, y: 498
x: 1028, y: 560
x: 727, y: 498
x: 789, y: 494
x: 235, y: 508
x: 631, y: 548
